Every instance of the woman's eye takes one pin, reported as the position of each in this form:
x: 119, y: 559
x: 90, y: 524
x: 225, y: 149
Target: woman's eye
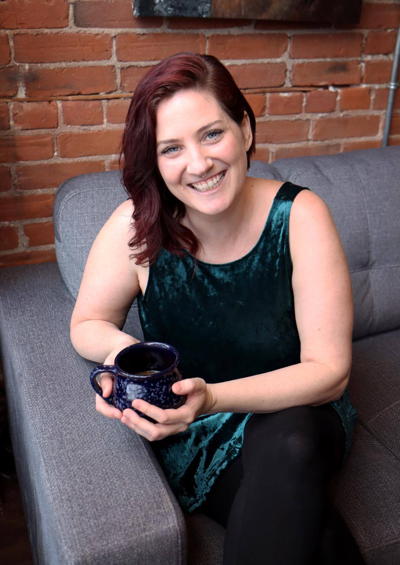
x: 214, y: 134
x: 170, y: 150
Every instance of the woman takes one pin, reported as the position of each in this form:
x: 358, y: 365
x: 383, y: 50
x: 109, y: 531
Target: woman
x: 246, y: 277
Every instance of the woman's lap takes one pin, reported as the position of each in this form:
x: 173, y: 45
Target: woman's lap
x: 273, y: 498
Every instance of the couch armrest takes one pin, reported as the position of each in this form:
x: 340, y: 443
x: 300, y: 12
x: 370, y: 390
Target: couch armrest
x: 93, y: 492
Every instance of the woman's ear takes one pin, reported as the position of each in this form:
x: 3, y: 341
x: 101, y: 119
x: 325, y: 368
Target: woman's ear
x: 246, y: 131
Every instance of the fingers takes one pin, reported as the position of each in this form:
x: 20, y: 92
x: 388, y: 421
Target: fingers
x: 106, y: 385
x: 107, y: 409
x: 188, y: 386
x: 150, y: 431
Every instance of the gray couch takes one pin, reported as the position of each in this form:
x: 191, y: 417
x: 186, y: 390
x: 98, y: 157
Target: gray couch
x: 92, y: 491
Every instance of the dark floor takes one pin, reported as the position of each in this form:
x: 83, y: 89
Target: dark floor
x: 14, y: 543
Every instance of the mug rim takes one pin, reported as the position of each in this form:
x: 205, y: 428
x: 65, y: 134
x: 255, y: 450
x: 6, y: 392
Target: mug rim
x: 147, y: 345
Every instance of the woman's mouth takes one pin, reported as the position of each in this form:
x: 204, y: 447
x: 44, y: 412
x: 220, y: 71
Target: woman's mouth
x: 209, y: 184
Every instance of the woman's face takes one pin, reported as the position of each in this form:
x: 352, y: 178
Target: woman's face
x: 201, y: 151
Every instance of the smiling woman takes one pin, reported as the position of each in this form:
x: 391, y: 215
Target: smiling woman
x: 247, y: 279
x: 156, y: 207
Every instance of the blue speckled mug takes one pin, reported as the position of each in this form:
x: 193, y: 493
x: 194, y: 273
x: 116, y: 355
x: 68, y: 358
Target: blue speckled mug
x: 144, y: 370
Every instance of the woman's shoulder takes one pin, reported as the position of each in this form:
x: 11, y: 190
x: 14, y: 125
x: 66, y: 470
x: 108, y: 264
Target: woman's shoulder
x: 124, y: 210
x: 118, y: 227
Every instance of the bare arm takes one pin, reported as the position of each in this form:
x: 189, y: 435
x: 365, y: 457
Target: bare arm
x: 109, y: 285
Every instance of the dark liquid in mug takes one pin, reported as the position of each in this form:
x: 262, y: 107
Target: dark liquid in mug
x: 146, y: 373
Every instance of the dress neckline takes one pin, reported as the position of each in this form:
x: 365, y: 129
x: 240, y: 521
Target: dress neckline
x: 253, y: 249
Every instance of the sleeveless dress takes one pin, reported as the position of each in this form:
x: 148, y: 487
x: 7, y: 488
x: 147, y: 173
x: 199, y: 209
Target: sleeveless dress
x: 227, y: 321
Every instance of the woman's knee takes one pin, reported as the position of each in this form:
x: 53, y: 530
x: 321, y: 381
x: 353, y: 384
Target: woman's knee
x: 293, y: 437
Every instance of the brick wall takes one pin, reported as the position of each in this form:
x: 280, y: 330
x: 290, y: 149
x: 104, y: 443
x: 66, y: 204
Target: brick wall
x: 70, y: 66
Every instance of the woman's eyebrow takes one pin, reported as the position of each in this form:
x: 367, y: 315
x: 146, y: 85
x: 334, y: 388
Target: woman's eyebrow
x: 200, y: 130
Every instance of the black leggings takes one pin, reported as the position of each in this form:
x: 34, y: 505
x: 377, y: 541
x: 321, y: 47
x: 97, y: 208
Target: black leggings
x: 273, y: 499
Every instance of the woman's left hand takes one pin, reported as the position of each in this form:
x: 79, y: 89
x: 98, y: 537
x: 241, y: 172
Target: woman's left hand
x: 199, y: 400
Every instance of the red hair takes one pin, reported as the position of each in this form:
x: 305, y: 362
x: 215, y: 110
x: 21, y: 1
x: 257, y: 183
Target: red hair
x: 157, y: 213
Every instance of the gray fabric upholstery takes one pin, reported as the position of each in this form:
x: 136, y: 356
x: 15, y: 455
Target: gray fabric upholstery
x: 369, y: 492
x: 92, y: 490
x: 82, y: 206
x: 362, y: 189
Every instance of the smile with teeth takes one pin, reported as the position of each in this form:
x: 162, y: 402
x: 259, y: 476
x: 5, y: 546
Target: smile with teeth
x: 209, y: 184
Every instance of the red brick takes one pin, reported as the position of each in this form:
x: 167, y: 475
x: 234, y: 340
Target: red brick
x: 156, y: 46
x: 380, y: 42
x: 9, y: 80
x: 379, y: 15
x: 362, y: 144
x: 326, y: 45
x: 8, y: 237
x: 262, y: 154
x: 82, y: 112
x: 130, y: 76
x: 70, y: 80
x: 25, y: 207
x: 306, y: 149
x: 35, y: 115
x: 28, y: 257
x: 377, y: 72
x: 346, y: 126
x: 51, y: 175
x: 257, y: 103
x: 280, y: 131
x: 258, y: 75
x: 381, y: 99
x: 99, y: 13
x: 112, y: 165
x: 54, y: 47
x: 285, y: 103
x: 321, y: 101
x: 247, y: 46
x: 355, y: 98
x: 394, y: 140
x: 5, y: 54
x: 326, y: 72
x: 14, y: 148
x: 100, y: 142
x: 116, y: 110
x: 4, y: 116
x: 18, y: 14
x: 5, y: 179
x: 395, y: 125
x: 39, y: 233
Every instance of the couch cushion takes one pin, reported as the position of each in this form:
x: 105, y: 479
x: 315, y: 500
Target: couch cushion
x: 82, y: 206
x: 363, y: 192
x: 374, y: 384
x: 368, y: 498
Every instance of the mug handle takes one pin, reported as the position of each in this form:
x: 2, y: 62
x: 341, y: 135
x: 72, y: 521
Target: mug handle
x: 93, y: 380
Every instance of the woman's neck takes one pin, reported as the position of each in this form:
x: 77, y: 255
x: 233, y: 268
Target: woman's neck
x: 230, y: 235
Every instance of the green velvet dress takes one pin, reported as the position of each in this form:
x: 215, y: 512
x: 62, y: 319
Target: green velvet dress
x: 227, y: 321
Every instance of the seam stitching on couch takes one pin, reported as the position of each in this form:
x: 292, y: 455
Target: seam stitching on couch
x: 379, y: 268
x: 383, y: 412
x: 379, y: 440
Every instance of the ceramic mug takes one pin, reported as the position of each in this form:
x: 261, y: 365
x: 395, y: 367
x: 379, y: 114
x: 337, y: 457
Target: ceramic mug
x: 144, y: 370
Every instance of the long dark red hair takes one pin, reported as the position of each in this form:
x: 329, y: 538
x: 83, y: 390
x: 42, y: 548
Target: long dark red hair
x: 157, y: 213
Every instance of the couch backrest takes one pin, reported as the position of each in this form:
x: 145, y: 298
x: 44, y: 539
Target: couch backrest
x: 362, y: 189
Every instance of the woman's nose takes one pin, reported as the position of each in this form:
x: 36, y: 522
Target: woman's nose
x: 198, y: 163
